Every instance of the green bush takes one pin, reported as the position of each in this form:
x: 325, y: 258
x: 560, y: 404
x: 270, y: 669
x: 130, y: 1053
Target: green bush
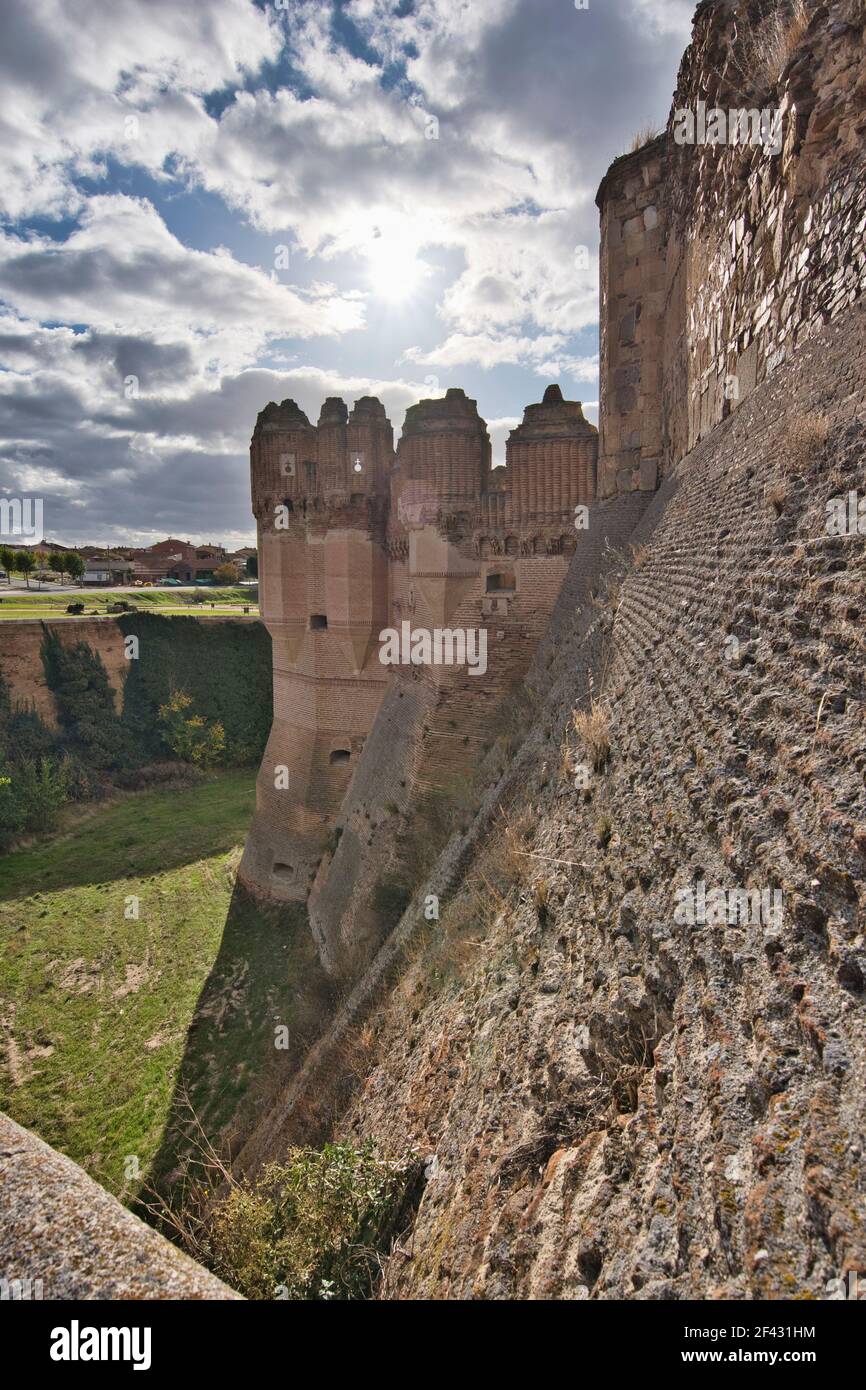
x: 190, y: 737
x: 31, y: 794
x: 35, y: 776
x: 312, y: 1227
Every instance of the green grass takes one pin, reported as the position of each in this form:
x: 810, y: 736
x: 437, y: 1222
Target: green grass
x: 106, y: 1019
x: 24, y: 603
x: 139, y: 835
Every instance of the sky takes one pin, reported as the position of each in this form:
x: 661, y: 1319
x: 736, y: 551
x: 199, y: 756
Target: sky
x: 212, y: 204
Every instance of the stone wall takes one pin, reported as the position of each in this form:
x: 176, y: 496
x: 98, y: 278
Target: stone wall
x: 620, y: 1105
x: 634, y: 209
x: 752, y: 251
x: 62, y: 1236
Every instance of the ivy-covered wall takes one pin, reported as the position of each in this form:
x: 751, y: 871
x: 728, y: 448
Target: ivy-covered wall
x: 225, y: 667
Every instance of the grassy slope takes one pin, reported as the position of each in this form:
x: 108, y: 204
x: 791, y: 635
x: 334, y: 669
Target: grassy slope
x: 105, y: 1016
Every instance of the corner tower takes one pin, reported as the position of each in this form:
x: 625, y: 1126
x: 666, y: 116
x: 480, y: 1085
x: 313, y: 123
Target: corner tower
x: 320, y: 497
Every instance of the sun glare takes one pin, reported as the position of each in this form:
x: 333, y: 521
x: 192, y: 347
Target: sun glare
x: 394, y: 269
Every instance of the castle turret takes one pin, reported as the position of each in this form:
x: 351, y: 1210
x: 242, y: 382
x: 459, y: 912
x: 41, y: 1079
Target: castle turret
x: 321, y: 501
x: 551, y: 460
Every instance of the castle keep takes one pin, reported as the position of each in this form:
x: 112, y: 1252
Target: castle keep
x: 354, y: 539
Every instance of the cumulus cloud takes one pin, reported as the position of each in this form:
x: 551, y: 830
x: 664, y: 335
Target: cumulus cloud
x: 122, y: 268
x: 450, y: 145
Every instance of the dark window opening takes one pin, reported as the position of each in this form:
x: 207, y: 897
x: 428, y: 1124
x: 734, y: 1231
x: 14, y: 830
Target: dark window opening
x: 288, y: 504
x: 340, y: 755
x: 318, y: 621
x: 285, y: 872
x: 501, y: 580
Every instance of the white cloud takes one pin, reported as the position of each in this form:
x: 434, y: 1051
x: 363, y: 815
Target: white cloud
x: 121, y: 269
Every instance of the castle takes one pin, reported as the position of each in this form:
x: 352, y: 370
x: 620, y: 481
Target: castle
x: 356, y: 538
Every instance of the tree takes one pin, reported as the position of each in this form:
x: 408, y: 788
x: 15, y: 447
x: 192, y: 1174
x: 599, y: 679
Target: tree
x: 227, y: 573
x: 252, y: 566
x: 84, y: 700
x: 40, y: 560
x: 190, y: 738
x: 41, y: 791
x: 7, y: 561
x: 58, y: 562
x: 75, y: 565
x: 24, y: 563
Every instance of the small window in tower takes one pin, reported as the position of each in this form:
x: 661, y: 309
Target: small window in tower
x: 499, y: 580
x: 318, y: 622
x: 284, y: 872
x: 340, y: 755
x: 357, y: 463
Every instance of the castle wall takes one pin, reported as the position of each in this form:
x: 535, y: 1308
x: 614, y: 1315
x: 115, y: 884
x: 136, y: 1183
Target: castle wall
x: 21, y: 659
x: 318, y: 495
x: 749, y: 253
x: 634, y: 212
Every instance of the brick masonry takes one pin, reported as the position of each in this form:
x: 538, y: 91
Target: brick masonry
x: 354, y: 538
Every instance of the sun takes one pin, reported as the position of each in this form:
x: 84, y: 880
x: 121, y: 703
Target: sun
x: 395, y: 272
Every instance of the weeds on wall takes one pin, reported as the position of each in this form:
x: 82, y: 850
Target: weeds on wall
x: 319, y: 1225
x: 805, y: 437
x: 84, y: 699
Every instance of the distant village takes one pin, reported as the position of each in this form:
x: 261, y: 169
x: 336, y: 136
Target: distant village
x: 168, y: 562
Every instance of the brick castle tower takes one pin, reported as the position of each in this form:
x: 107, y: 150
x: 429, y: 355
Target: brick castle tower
x: 354, y: 541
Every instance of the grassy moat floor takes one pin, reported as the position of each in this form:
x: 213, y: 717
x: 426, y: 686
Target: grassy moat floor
x: 107, y: 1017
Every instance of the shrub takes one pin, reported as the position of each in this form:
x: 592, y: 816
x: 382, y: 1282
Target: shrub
x: 776, y: 495
x: 84, y: 699
x: 76, y: 607
x: 642, y: 137
x: 604, y: 830
x: 190, y: 737
x: 184, y: 654
x: 313, y: 1227
x: 766, y: 52
x: 32, y: 792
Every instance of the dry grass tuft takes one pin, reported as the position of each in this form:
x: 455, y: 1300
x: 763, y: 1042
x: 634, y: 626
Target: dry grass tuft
x: 776, y: 495
x: 642, y: 137
x: 805, y: 437
x: 592, y: 727
x: 542, y: 890
x: 767, y: 51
